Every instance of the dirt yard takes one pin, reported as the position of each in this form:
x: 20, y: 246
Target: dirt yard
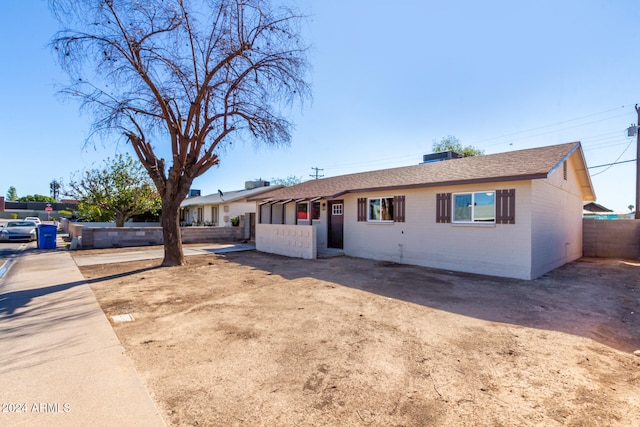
x: 260, y: 340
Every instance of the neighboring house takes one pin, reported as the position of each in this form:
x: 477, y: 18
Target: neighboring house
x: 515, y: 214
x: 593, y: 207
x: 595, y: 211
x: 218, y: 209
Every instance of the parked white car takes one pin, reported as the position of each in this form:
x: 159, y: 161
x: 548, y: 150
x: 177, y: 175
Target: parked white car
x: 34, y: 219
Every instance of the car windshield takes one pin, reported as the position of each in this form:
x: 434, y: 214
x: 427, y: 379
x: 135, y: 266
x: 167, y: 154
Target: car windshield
x: 21, y: 224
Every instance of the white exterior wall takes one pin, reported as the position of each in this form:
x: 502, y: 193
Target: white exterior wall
x: 496, y: 249
x: 290, y: 219
x: 557, y: 221
x: 295, y: 241
x: 234, y: 209
x: 224, y: 218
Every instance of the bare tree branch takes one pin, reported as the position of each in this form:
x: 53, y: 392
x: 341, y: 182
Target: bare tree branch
x: 182, y: 78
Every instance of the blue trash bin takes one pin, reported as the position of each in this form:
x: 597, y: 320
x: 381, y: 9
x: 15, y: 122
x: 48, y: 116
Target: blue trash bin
x: 47, y: 236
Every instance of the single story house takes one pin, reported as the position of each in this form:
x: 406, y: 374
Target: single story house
x: 218, y: 209
x: 516, y: 214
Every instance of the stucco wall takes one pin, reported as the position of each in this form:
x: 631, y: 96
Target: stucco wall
x: 297, y: 241
x: 611, y: 238
x: 556, y: 221
x: 496, y: 249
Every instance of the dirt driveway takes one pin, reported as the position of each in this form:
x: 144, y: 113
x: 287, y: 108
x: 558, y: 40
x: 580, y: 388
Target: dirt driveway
x: 256, y: 339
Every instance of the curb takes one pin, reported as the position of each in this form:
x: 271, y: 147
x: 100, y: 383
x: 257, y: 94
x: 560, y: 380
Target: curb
x: 3, y: 269
x: 6, y: 265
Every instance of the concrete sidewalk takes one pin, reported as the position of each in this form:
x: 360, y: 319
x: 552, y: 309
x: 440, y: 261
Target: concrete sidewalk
x: 61, y: 364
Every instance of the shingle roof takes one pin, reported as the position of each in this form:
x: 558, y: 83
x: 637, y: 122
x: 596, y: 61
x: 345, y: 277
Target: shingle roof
x: 228, y: 197
x: 534, y: 163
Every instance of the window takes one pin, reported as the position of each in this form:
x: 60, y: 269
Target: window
x: 474, y: 207
x: 381, y: 209
x: 336, y: 209
x: 303, y: 211
x: 214, y: 215
x: 315, y: 210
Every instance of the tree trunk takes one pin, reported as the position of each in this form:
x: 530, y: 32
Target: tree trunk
x: 120, y: 220
x: 170, y: 221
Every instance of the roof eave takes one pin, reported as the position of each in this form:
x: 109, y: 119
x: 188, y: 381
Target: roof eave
x: 414, y: 186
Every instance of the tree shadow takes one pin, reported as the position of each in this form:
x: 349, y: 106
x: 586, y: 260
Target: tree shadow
x: 12, y: 301
x: 594, y: 298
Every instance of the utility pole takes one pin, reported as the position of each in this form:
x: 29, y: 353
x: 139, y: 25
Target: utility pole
x: 316, y: 176
x: 637, y: 216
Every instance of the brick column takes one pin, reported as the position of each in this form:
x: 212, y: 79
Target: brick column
x: 1, y: 204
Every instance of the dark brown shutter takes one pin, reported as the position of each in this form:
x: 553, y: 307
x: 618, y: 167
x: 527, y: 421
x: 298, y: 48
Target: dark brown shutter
x: 398, y: 209
x: 506, y: 206
x: 362, y: 209
x: 443, y: 207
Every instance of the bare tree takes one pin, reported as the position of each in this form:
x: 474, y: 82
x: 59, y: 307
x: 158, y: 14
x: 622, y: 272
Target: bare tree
x: 182, y: 78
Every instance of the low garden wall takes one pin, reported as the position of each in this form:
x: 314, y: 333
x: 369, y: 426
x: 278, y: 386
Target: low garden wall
x: 111, y: 237
x: 297, y: 241
x: 611, y: 238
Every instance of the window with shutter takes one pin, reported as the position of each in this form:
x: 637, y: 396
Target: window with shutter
x: 506, y: 206
x: 443, y: 207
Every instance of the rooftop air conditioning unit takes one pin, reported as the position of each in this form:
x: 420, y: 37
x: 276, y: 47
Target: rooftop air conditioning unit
x: 443, y: 155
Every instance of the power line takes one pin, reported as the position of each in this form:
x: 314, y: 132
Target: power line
x: 615, y: 161
x: 610, y: 164
x: 593, y: 142
x: 556, y: 124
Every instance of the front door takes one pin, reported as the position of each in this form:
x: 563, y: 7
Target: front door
x: 336, y: 224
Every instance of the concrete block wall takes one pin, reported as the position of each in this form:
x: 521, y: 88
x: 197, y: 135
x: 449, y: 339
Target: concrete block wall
x: 611, y: 238
x: 297, y: 241
x: 211, y: 234
x: 110, y: 237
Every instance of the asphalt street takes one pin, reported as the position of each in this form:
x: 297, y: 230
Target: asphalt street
x: 9, y: 251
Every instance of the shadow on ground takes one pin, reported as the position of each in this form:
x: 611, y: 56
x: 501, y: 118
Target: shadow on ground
x: 593, y: 298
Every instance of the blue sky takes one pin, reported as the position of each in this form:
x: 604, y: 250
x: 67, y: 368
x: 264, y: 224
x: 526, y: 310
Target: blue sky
x: 388, y: 79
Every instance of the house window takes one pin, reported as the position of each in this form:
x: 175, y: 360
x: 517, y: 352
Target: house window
x: 381, y: 209
x: 479, y: 207
x: 214, y: 215
x: 337, y: 209
x: 384, y: 209
x: 564, y: 170
x: 303, y: 211
x: 315, y: 210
